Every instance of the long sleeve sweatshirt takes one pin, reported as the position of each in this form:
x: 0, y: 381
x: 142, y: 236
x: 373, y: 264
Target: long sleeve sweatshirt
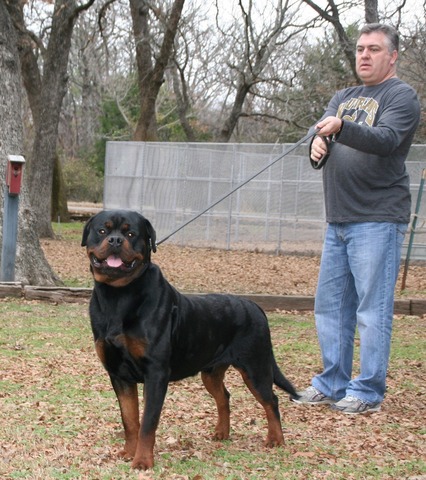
x: 365, y: 178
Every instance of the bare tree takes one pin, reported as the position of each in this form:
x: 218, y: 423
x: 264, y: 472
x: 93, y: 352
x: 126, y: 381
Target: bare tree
x: 81, y: 106
x: 412, y: 66
x: 183, y: 103
x: 102, y: 69
x: 254, y: 48
x: 214, y: 81
x: 150, y: 71
x: 195, y: 72
x: 31, y: 265
x: 332, y: 14
x: 46, y: 89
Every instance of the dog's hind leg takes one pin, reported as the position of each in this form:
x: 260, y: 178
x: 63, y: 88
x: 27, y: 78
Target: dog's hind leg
x: 213, y: 381
x: 261, y: 388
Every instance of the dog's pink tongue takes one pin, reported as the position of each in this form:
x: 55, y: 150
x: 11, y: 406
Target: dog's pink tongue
x: 114, y: 261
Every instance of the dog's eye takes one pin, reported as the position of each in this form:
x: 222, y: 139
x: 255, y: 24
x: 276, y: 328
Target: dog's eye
x: 130, y: 234
x: 102, y: 231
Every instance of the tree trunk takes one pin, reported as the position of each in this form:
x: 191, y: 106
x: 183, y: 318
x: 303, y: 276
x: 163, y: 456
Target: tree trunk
x: 45, y: 92
x: 59, y: 198
x: 31, y: 265
x: 231, y: 122
x: 371, y: 11
x: 151, y: 76
x: 182, y: 102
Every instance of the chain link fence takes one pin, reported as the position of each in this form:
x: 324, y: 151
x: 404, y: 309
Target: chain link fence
x: 279, y: 211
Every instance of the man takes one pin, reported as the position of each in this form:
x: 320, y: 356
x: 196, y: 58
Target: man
x: 362, y: 143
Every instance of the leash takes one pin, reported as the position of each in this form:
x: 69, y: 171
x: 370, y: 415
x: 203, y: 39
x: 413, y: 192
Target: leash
x: 277, y: 159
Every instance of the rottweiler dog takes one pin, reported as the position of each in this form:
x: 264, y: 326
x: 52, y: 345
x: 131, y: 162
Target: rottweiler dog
x: 145, y: 331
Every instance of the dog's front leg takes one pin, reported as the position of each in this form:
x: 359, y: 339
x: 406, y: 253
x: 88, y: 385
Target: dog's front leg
x: 155, y: 389
x: 127, y: 395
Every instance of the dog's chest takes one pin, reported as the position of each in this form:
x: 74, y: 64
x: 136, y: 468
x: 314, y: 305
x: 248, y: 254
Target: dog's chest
x: 123, y: 356
x: 120, y: 343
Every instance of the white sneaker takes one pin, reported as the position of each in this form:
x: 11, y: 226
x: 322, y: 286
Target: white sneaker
x: 312, y: 396
x: 352, y: 406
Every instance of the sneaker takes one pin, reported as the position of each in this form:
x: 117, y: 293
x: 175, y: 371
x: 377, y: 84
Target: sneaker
x: 353, y: 406
x: 312, y: 396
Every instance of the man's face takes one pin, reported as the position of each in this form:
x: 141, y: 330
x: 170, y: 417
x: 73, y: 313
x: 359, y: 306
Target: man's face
x: 374, y: 62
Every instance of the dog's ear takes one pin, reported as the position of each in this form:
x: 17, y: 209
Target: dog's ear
x: 151, y: 234
x: 86, y: 231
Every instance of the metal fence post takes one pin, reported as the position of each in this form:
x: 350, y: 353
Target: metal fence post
x: 413, y: 229
x: 10, y: 218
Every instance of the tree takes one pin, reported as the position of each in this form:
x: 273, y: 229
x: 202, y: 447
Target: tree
x: 322, y: 70
x: 254, y: 50
x: 31, y: 265
x: 210, y: 62
x: 235, y: 65
x: 412, y: 66
x: 150, y: 72
x: 46, y: 87
x: 332, y: 14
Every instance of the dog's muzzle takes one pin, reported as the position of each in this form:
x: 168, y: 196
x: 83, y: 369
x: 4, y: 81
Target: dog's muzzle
x: 113, y: 262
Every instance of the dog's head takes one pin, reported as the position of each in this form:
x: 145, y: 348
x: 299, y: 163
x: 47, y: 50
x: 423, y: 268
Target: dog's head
x: 119, y: 245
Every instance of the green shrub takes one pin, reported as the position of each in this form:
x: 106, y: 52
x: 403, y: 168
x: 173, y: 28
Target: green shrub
x: 83, y: 182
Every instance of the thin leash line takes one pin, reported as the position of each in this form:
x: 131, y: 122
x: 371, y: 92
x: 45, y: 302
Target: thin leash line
x: 198, y: 215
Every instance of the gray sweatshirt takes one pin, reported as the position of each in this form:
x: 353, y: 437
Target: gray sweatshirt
x: 365, y: 179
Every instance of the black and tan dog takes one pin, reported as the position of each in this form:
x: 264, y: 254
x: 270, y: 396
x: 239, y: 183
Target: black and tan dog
x: 147, y: 332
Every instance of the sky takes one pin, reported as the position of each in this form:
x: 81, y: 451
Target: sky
x: 411, y: 10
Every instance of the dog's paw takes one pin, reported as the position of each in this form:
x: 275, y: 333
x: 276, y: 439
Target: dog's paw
x: 274, y: 442
x: 219, y: 436
x: 125, y: 455
x: 143, y: 463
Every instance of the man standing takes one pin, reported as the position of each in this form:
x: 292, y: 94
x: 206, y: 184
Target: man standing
x: 362, y: 143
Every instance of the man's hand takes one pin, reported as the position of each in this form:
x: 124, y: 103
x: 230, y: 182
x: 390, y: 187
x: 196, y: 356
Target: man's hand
x: 318, y: 149
x: 329, y: 126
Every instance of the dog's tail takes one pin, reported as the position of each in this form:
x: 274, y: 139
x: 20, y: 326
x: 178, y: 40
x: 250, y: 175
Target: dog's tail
x: 282, y: 382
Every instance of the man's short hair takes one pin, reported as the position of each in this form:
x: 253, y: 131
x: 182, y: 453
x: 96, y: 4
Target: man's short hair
x: 390, y: 32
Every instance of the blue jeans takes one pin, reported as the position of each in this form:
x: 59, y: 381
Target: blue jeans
x: 358, y: 273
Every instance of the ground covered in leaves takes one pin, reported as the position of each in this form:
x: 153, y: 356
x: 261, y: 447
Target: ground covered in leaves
x: 59, y: 418
x: 211, y: 270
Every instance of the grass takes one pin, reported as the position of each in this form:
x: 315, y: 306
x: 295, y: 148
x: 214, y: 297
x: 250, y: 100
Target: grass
x: 68, y: 231
x: 60, y: 420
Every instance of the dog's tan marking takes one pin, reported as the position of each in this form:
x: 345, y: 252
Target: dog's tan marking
x: 100, y: 350
x: 275, y: 434
x: 129, y: 407
x: 214, y: 385
x: 135, y: 346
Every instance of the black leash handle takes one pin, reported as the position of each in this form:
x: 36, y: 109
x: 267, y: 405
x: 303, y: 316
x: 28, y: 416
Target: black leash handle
x: 289, y: 150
